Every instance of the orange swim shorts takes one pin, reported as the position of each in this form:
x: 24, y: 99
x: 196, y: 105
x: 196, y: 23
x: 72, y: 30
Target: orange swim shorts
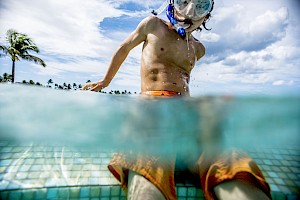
x: 210, y: 169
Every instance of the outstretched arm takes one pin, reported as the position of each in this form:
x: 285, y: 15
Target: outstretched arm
x: 135, y: 38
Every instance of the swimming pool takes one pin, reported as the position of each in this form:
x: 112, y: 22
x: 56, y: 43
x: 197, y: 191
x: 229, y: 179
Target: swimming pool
x: 56, y: 144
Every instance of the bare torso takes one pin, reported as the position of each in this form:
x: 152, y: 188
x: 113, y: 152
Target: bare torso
x: 167, y: 59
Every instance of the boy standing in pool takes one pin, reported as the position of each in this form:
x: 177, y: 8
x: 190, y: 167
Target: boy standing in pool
x: 169, y: 54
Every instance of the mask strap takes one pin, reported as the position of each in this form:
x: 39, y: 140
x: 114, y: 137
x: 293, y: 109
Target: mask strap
x: 160, y: 9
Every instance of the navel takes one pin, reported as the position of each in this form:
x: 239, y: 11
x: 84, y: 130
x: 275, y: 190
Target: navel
x: 154, y: 71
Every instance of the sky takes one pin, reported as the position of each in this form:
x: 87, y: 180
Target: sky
x: 253, y: 47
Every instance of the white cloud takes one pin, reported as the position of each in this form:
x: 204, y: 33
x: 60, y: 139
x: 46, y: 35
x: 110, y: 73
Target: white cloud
x: 68, y: 27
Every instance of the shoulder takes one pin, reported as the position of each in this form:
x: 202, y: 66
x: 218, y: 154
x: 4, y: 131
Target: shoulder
x: 150, y: 22
x: 200, y: 49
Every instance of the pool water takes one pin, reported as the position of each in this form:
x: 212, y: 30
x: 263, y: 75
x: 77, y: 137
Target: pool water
x: 56, y: 144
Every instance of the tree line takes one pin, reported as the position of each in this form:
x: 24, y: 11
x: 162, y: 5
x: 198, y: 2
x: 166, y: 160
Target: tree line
x: 7, y: 78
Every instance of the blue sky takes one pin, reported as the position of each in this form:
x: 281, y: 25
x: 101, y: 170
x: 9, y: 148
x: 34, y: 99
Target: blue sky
x: 253, y: 47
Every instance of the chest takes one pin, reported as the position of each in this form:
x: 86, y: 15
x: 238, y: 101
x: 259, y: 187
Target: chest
x: 166, y: 45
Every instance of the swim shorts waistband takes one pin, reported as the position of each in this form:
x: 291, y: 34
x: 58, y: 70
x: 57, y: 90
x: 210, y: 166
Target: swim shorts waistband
x: 162, y: 93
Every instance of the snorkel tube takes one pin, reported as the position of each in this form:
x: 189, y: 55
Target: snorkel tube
x: 174, y: 22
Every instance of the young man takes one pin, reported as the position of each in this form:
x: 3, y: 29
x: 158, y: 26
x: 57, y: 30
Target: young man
x: 168, y: 56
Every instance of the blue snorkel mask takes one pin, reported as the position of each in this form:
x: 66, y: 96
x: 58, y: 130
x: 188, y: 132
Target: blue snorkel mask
x: 190, y: 9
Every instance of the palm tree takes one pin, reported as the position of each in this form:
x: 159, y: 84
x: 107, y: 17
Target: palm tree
x: 50, y: 81
x: 19, y: 46
x: 6, y: 77
x: 74, y: 86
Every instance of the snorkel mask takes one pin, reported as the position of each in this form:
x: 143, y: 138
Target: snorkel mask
x: 193, y: 9
x: 190, y: 9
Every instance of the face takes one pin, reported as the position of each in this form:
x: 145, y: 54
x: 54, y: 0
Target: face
x: 193, y: 9
x: 188, y: 27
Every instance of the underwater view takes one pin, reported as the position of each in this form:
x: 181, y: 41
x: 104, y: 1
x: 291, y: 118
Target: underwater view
x: 57, y: 144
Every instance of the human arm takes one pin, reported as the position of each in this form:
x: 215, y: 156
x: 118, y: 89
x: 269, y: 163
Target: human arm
x: 135, y: 38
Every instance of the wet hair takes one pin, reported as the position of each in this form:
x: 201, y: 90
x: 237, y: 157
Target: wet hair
x: 207, y: 18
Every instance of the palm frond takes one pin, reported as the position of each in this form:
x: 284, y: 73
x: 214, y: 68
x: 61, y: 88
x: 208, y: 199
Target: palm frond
x: 4, y: 49
x: 27, y: 48
x: 34, y: 59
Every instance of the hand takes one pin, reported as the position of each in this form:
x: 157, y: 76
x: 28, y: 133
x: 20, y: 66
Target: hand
x: 96, y: 86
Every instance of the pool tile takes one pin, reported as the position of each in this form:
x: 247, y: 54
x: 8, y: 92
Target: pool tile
x: 284, y: 189
x: 63, y: 193
x: 295, y: 170
x: 45, y: 175
x: 115, y: 191
x: 60, y: 182
x: 265, y: 167
x: 76, y: 167
x: 40, y: 194
x: 97, y: 161
x: 3, y: 169
x: 292, y: 176
x: 191, y: 192
x: 274, y: 188
x: 4, y: 143
x: 279, y: 181
x: 13, y: 186
x: 17, y: 155
x: 95, y: 192
x: 68, y: 155
x: 52, y: 193
x: 6, y: 149
x: 87, y: 167
x: 105, y: 191
x: 6, y: 155
x: 278, y: 157
x: 267, y: 162
x: 24, y: 168
x: 114, y: 198
x: 276, y: 162
x: 182, y: 191
x: 282, y: 175
x: 285, y: 169
x: 28, y: 161
x: 289, y: 183
x: 3, y: 184
x: 93, y: 181
x: 95, y: 174
x: 278, y: 196
x: 74, y: 192
x: 272, y: 174
x: 12, y: 169
x: 27, y: 195
x: 33, y: 175
x: 50, y: 182
x: 83, y: 181
x: 5, y: 163
x: 16, y: 195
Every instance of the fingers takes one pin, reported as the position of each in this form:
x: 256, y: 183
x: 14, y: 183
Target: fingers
x: 88, y: 86
x: 93, y: 87
x: 97, y: 88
